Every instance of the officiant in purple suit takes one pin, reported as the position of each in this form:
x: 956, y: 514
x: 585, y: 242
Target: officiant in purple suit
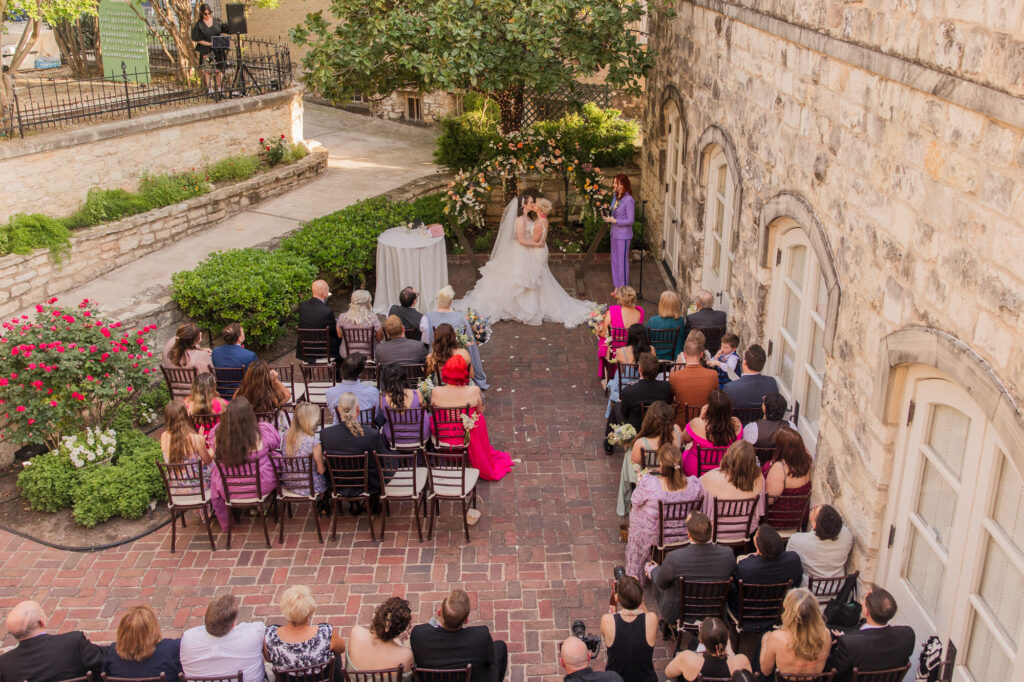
x: 621, y: 220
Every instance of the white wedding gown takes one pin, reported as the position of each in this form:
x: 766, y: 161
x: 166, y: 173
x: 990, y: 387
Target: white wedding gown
x: 517, y: 284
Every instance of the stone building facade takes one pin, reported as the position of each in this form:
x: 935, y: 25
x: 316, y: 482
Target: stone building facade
x: 848, y: 178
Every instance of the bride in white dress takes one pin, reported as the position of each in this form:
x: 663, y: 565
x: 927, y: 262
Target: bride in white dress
x: 516, y: 283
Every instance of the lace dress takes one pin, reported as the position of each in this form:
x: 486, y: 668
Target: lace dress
x: 284, y: 654
x: 643, y: 518
x: 305, y: 449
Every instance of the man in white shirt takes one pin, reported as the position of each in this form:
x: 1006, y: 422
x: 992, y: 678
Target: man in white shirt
x: 221, y: 647
x: 824, y: 551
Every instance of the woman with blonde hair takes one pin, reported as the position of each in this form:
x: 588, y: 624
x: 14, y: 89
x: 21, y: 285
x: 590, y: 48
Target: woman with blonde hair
x: 205, y: 401
x: 669, y: 318
x: 736, y: 478
x: 300, y: 440
x: 445, y: 314
x: 349, y: 437
x: 802, y: 644
x: 621, y: 315
x: 359, y: 315
x: 139, y: 650
x: 300, y: 644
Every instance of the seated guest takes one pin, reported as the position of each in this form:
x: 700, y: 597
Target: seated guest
x: 574, y: 657
x: 233, y: 353
x: 261, y: 387
x: 407, y: 313
x: 359, y: 315
x: 705, y: 317
x: 367, y: 394
x: 670, y: 316
x: 802, y: 644
x: 445, y: 345
x: 180, y: 442
x: 714, y: 428
x: 751, y: 388
x: 139, y: 650
x: 300, y: 644
x: 789, y: 471
x: 349, y: 437
x: 444, y: 314
x: 183, y: 350
x: 877, y: 645
x: 456, y: 392
x: 670, y: 486
x: 647, y: 390
x: 622, y: 315
x: 378, y: 647
x: 736, y: 478
x: 691, y: 385
x: 221, y: 647
x: 396, y: 395
x: 659, y: 428
x: 398, y: 348
x: 239, y: 438
x: 314, y: 313
x: 761, y: 434
x: 701, y: 561
x: 823, y: 551
x: 453, y: 644
x: 716, y: 660
x: 629, y: 633
x: 301, y: 440
x: 638, y: 344
x: 42, y: 657
x: 726, y: 360
x: 204, y: 400
x: 769, y: 564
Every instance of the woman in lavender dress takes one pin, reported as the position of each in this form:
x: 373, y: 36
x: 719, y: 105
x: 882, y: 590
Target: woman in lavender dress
x: 621, y: 220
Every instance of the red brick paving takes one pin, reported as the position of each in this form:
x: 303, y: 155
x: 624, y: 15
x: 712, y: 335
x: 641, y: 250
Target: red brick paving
x: 541, y: 556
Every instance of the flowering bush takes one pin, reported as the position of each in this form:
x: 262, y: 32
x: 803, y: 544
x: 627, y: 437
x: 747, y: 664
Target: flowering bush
x: 274, y: 152
x: 67, y: 370
x: 92, y: 446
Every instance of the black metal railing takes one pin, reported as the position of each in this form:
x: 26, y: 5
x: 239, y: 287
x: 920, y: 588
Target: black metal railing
x: 553, y: 105
x: 250, y: 67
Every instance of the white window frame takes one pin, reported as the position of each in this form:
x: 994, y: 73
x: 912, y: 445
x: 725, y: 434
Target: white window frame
x: 716, y: 276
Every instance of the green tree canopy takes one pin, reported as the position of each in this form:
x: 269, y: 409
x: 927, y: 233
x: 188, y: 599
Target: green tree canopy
x: 496, y: 47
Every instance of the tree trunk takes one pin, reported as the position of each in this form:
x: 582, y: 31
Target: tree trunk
x: 28, y: 40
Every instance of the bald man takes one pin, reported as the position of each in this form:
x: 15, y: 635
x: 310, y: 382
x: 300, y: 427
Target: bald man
x: 574, y: 657
x: 41, y: 657
x: 314, y: 313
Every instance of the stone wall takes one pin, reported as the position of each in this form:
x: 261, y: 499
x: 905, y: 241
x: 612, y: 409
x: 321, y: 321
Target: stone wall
x: 99, y: 249
x: 433, y: 106
x: 915, y: 200
x: 52, y: 172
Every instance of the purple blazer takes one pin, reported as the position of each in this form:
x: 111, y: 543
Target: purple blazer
x: 622, y: 211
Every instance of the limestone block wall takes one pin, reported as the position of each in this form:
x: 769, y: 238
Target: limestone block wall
x: 920, y: 199
x: 52, y: 172
x: 434, y: 105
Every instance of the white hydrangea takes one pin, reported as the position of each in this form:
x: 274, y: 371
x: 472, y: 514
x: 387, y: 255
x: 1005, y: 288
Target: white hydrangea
x: 91, y: 446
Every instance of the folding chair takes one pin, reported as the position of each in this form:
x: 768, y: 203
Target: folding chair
x: 315, y: 345
x: 732, y: 521
x: 348, y: 472
x: 708, y: 459
x: 244, y: 490
x: 318, y: 672
x: 436, y: 675
x: 295, y: 486
x: 316, y: 379
x: 890, y: 675
x: 186, y: 490
x: 672, y: 532
x: 179, y: 381
x: 361, y: 340
x: 698, y: 600
x: 712, y: 338
x: 450, y: 479
x: 228, y: 380
x: 401, y: 480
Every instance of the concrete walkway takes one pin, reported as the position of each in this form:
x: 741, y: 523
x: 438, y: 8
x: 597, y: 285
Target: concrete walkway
x: 368, y: 156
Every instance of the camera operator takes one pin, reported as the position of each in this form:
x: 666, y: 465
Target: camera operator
x: 575, y: 658
x: 205, y: 28
x: 629, y: 632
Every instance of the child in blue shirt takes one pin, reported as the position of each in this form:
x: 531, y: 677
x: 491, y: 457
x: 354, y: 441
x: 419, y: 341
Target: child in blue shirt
x: 726, y: 360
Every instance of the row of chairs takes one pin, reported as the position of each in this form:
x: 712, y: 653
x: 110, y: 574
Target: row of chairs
x: 318, y: 672
x: 315, y: 344
x: 707, y: 458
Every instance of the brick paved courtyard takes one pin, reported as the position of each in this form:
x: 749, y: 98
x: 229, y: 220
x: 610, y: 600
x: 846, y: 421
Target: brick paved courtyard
x: 541, y: 556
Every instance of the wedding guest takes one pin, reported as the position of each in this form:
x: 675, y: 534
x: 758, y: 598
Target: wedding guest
x: 493, y: 464
x: 139, y: 651
x: 454, y: 644
x: 181, y: 443
x: 349, y: 437
x: 736, y: 478
x: 446, y: 344
x: 359, y: 315
x: 658, y: 428
x: 396, y: 395
x: 726, y: 360
x: 670, y: 317
x: 714, y: 428
x: 301, y: 440
x: 802, y: 644
x: 261, y: 387
x: 762, y: 432
x: 621, y: 219
x: 240, y: 438
x: 716, y: 660
x: 649, y: 389
x: 222, y: 647
x: 233, y: 353
x: 42, y: 657
x: 825, y: 549
x: 705, y: 317
x: 314, y: 313
x: 299, y: 643
x: 574, y: 657
x: 770, y: 564
x: 204, y: 398
x: 638, y: 344
x: 443, y: 314
x: 670, y: 486
x: 378, y: 647
x: 629, y: 632
x: 398, y: 348
x: 789, y: 471
x: 351, y: 369
x: 183, y: 350
x: 877, y: 645
x: 692, y: 384
x: 751, y: 388
x: 407, y: 313
x: 620, y: 315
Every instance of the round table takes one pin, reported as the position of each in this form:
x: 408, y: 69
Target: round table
x: 408, y: 258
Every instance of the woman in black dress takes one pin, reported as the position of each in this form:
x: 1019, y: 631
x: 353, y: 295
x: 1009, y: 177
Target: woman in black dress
x: 202, y: 34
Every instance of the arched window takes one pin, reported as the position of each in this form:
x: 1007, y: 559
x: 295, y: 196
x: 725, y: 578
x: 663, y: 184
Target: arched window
x: 720, y: 189
x: 674, y: 178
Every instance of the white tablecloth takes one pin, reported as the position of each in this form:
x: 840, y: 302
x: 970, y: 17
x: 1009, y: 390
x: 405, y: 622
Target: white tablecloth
x: 405, y: 259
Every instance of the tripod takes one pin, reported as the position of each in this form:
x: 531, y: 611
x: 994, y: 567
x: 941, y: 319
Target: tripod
x: 238, y: 84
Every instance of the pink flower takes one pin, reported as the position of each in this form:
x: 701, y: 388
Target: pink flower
x: 39, y: 308
x: 84, y: 303
x: 31, y: 421
x: 103, y: 358
x: 53, y: 403
x: 88, y: 377
x: 105, y: 332
x: 86, y: 313
x: 93, y: 349
x: 130, y: 389
x: 77, y: 396
x: 3, y: 381
x: 19, y: 408
x: 52, y: 300
x: 38, y: 385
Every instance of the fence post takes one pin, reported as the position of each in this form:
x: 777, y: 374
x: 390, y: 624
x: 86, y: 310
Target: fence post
x: 127, y: 96
x: 17, y: 110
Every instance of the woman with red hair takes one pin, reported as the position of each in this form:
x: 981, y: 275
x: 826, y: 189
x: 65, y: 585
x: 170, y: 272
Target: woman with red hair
x: 458, y: 392
x: 621, y: 219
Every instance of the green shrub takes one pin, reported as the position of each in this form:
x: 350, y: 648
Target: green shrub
x: 164, y: 190
x: 602, y: 133
x: 25, y: 232
x: 121, y: 489
x: 465, y: 141
x: 233, y: 169
x: 430, y: 209
x: 106, y: 205
x: 257, y: 287
x: 48, y: 481
x: 344, y: 243
x: 296, y: 152
x: 484, y: 242
x: 473, y: 102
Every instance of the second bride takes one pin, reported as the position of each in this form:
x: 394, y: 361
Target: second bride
x: 516, y: 282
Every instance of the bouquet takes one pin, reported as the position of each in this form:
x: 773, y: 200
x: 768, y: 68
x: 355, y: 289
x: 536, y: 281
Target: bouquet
x: 621, y: 434
x: 462, y: 337
x: 426, y: 386
x: 468, y: 424
x: 481, y: 326
x: 596, y: 317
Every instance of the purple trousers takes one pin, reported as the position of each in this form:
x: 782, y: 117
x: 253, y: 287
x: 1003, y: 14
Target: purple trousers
x: 621, y: 238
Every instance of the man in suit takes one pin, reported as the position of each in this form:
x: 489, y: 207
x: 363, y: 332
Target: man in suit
x: 407, y: 313
x: 232, y: 354
x: 770, y: 563
x: 877, y: 645
x: 705, y: 317
x: 750, y: 389
x: 42, y: 657
x: 316, y: 314
x: 451, y: 644
x: 398, y: 348
x: 701, y: 561
x: 647, y: 390
x: 693, y: 384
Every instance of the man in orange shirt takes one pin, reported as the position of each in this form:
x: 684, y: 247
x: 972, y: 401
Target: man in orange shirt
x: 693, y: 384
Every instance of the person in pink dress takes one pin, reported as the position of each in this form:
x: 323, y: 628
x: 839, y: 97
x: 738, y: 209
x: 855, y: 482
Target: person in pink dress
x: 458, y: 392
x: 714, y: 428
x: 240, y: 438
x: 621, y: 315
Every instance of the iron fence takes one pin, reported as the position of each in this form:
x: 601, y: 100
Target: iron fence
x: 251, y: 67
x: 566, y: 99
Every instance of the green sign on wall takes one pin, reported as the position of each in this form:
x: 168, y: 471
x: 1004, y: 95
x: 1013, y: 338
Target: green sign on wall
x: 123, y: 39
